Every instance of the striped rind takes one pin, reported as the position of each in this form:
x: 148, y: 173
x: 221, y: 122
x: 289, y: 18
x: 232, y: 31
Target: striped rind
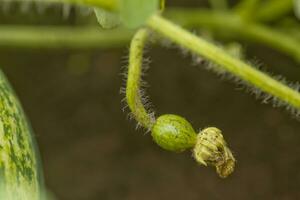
x: 19, y: 169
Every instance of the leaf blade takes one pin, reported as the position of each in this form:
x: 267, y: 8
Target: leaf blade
x: 107, y: 19
x: 134, y: 13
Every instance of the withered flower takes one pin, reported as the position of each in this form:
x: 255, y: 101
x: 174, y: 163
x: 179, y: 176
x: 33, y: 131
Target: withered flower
x: 212, y: 149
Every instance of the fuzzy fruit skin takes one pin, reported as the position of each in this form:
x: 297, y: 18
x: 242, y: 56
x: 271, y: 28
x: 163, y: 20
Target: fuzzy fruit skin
x: 173, y: 133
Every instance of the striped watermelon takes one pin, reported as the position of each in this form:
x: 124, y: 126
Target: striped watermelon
x: 20, y: 178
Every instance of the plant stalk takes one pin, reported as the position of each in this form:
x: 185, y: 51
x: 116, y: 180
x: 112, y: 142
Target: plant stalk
x: 234, y: 66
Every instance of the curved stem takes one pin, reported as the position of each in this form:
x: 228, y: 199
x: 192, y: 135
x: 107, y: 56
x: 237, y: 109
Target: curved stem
x: 133, y: 93
x: 226, y: 62
x: 182, y: 37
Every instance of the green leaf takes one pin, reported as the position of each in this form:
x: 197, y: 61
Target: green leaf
x: 107, y: 19
x: 134, y: 13
x: 297, y: 8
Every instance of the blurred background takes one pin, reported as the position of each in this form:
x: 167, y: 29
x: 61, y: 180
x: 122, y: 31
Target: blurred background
x: 90, y: 150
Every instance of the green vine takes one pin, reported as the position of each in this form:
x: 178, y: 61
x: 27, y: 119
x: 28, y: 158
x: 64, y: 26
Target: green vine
x: 219, y: 5
x: 225, y: 61
x: 265, y: 11
x: 236, y: 27
x: 172, y: 132
x: 92, y: 37
x: 133, y: 92
x: 106, y: 4
x: 274, y: 9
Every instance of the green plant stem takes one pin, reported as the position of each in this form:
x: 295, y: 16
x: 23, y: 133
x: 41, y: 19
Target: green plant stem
x: 219, y: 4
x: 246, y: 8
x: 54, y: 37
x: 273, y: 10
x: 226, y: 24
x: 257, y: 10
x: 106, y: 4
x: 297, y: 8
x: 133, y: 93
x: 230, y: 25
x: 234, y: 66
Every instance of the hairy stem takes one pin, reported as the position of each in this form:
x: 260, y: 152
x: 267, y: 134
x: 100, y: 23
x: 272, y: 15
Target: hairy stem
x: 133, y: 93
x: 230, y: 25
x: 227, y: 62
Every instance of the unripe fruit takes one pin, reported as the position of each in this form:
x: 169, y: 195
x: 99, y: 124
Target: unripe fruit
x: 173, y: 133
